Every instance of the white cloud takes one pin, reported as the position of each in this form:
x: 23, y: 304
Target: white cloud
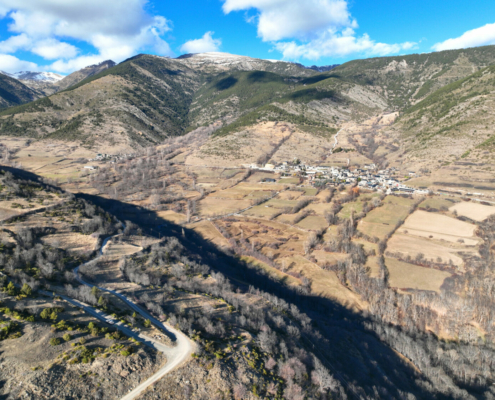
x: 116, y: 29
x: 51, y: 49
x: 318, y: 28
x: 482, y: 36
x: 15, y: 43
x: 338, y: 45
x: 204, y: 45
x: 282, y: 19
x: 12, y: 64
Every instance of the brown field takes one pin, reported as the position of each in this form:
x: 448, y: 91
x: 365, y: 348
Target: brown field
x: 290, y: 195
x: 372, y: 264
x: 71, y: 241
x: 474, y: 211
x: 323, y: 257
x: 408, y: 276
x: 279, y: 203
x: 412, y: 245
x: 115, y: 249
x: 439, y: 224
x: 273, y: 272
x: 310, y: 191
x: 313, y: 222
x: 439, y: 202
x: 289, y: 181
x: 261, y: 211
x: 172, y: 216
x: 318, y: 208
x: 208, y: 231
x: 324, y: 283
x: 211, y: 206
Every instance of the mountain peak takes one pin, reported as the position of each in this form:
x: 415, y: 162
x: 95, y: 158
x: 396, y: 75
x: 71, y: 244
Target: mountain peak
x: 35, y: 76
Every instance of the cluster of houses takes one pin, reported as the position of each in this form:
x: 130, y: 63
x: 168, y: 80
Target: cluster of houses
x: 366, y: 177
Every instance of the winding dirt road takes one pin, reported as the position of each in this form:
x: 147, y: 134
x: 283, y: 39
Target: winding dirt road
x: 176, y: 355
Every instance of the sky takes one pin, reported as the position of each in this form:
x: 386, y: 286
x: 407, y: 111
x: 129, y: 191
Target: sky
x: 66, y: 35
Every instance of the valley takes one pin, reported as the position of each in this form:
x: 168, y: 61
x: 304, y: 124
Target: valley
x: 307, y: 234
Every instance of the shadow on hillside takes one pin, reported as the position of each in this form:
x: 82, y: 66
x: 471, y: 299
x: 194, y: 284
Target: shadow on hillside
x: 226, y: 83
x: 352, y: 353
x: 263, y: 77
x: 315, y: 79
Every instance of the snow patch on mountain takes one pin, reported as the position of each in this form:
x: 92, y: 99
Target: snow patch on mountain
x: 35, y: 76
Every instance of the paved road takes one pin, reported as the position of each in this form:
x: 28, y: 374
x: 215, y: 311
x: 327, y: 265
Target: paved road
x: 175, y: 355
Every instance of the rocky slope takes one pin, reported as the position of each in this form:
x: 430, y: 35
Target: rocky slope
x: 405, y: 80
x: 82, y: 74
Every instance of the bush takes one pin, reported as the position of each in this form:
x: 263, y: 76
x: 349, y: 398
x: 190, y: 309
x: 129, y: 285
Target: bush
x: 54, y: 341
x: 67, y: 337
x: 26, y: 290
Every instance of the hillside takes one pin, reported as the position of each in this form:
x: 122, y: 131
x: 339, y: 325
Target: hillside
x: 405, y: 80
x: 142, y: 100
x: 82, y: 74
x: 14, y: 92
x: 147, y: 98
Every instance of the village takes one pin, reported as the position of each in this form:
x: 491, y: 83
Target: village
x: 366, y: 177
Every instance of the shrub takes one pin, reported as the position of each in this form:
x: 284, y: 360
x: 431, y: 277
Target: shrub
x: 54, y: 341
x: 26, y: 290
x: 67, y: 337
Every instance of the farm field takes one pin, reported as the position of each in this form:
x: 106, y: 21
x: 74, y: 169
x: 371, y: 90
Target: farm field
x: 435, y: 251
x: 313, y: 222
x: 472, y: 210
x: 348, y: 208
x: 172, y: 216
x: 408, y: 276
x: 440, y: 226
x: 208, y: 231
x: 211, y: 206
x: 324, y: 283
x: 382, y: 220
x: 439, y: 203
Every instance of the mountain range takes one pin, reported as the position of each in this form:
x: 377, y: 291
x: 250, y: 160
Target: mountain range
x: 147, y: 98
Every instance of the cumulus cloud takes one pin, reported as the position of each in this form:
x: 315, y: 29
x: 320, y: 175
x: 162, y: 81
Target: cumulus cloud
x: 204, y: 45
x: 51, y: 49
x: 311, y: 29
x: 482, y: 36
x: 12, y: 64
x: 282, y: 19
x: 330, y: 44
x: 116, y: 29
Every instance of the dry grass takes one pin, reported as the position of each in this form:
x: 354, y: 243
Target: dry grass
x: 382, y: 220
x: 290, y: 195
x: 474, y: 211
x: 172, y: 216
x: 408, y: 276
x: 324, y: 283
x: 208, y: 231
x: 211, y: 206
x: 313, y: 222
x: 439, y: 224
x: 412, y: 245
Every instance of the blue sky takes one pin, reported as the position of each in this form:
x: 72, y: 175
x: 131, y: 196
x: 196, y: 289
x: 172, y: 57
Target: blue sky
x: 66, y: 35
